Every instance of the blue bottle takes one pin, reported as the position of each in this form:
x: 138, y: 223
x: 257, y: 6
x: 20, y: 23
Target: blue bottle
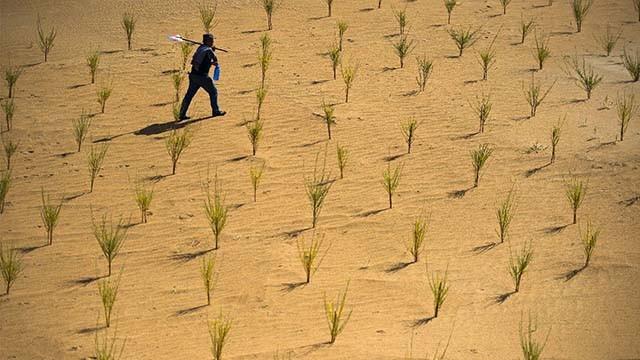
x: 216, y: 73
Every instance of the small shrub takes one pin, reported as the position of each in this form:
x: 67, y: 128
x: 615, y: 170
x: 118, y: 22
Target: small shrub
x: 336, y: 318
x: 185, y: 52
x: 479, y: 158
x: 108, y: 290
x: 254, y: 131
x: 403, y: 47
x: 505, y: 214
x: 626, y: 109
x: 128, y: 23
x: 106, y: 347
x: 334, y: 56
x: 439, y: 286
x: 103, y: 95
x: 144, y: 196
x: 482, y: 107
x: 464, y: 38
x: 525, y: 28
x: 328, y: 117
x: 343, y: 158
x: 348, y: 75
x: 608, y: 40
x: 219, y: 329
x: 81, y: 127
x: 535, y: 95
x: 488, y: 58
x: 10, y: 266
x: 555, y: 139
x: 518, y: 264
x: 391, y: 181
x: 216, y: 210
x: 415, y: 246
x: 329, y: 7
x: 504, y: 4
x: 401, y: 18
x: 317, y: 187
x: 409, y: 129
x: 632, y: 64
x: 11, y: 76
x: 110, y: 238
x: 50, y: 214
x: 45, y: 40
x: 5, y: 184
x: 95, y: 159
x: 255, y: 173
x: 264, y: 58
x: 450, y: 5
x: 311, y: 255
x: 208, y: 275
x: 636, y: 5
x: 583, y: 75
x: 541, y: 52
x: 269, y: 7
x: 575, y: 192
x: 176, y: 144
x: 589, y: 240
x: 531, y: 348
x: 342, y: 29
x: 261, y: 94
x: 175, y: 110
x: 9, y: 108
x: 207, y: 12
x: 177, y: 79
x: 580, y: 10
x: 93, y: 60
x: 425, y: 67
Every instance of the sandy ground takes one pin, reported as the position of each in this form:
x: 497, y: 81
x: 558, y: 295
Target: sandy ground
x: 54, y: 307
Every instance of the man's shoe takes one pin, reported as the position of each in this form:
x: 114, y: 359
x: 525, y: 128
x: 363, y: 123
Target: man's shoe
x: 219, y: 113
x: 182, y: 118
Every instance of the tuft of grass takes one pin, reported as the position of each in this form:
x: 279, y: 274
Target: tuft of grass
x: 254, y: 131
x: 255, y: 173
x: 580, y: 10
x: 335, y: 55
x: 10, y: 266
x: 94, y: 160
x: 487, y: 57
x: 541, y: 53
x: 311, y: 255
x: 336, y: 317
x: 348, y: 76
x: 626, y: 109
x: 415, y: 245
x: 144, y: 196
x: 575, y: 191
x: 110, y: 237
x: 108, y: 290
x: 555, y: 139
x: 208, y: 10
x: 128, y: 24
x: 185, y: 52
x: 425, y: 67
x: 401, y: 18
x: 328, y: 117
x: 81, y: 127
x: 207, y: 274
x: 175, y: 110
x: 583, y: 74
x: 177, y: 79
x: 329, y: 7
x: 50, y: 214
x: 479, y: 158
x: 504, y: 214
x: 343, y: 26
x: 317, y: 187
x: 45, y: 40
x: 106, y: 348
x: 636, y: 5
x: 103, y: 95
x: 632, y: 64
x: 535, y: 95
x: 9, y: 108
x: 216, y: 210
x: 589, y: 239
x: 504, y: 4
x: 269, y: 7
x: 409, y: 129
x: 5, y: 184
x: 11, y: 76
x: 482, y: 107
x: 93, y: 60
x: 518, y: 264
x: 439, y: 285
x: 450, y: 5
x: 464, y: 38
x: 403, y: 47
x: 264, y: 57
x: 343, y: 158
x: 10, y: 149
x: 608, y: 40
x: 219, y: 330
x: 531, y: 348
x: 525, y: 28
x: 261, y: 94
x: 391, y: 181
x: 176, y: 144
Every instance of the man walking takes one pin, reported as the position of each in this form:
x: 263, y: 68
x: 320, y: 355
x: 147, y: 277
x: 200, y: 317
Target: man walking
x: 202, y: 60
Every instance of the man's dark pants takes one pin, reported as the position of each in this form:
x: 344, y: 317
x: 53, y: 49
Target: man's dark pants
x: 197, y: 81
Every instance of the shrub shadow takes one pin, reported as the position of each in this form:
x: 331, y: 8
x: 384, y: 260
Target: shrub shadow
x: 397, y: 267
x: 571, y: 274
x: 370, y: 213
x: 238, y: 158
x: 630, y: 201
x: 186, y: 257
x: 484, y: 248
x: 535, y: 170
x: 86, y: 280
x: 500, y: 299
x: 422, y: 322
x: 555, y: 229
x: 89, y: 330
x: 295, y: 233
x: 459, y: 194
x: 28, y: 249
x: 393, y: 157
x: 77, y: 86
x: 190, y: 310
x: 289, y: 287
x: 316, y: 82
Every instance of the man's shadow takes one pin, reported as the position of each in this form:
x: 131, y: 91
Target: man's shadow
x: 159, y: 128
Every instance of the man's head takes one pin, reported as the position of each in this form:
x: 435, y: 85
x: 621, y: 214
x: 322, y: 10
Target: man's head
x: 207, y: 39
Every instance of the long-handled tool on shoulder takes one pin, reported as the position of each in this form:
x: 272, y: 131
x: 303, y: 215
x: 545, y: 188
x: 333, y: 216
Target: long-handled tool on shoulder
x: 179, y: 38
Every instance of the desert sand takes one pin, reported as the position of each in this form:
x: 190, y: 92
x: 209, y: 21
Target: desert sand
x: 54, y: 311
